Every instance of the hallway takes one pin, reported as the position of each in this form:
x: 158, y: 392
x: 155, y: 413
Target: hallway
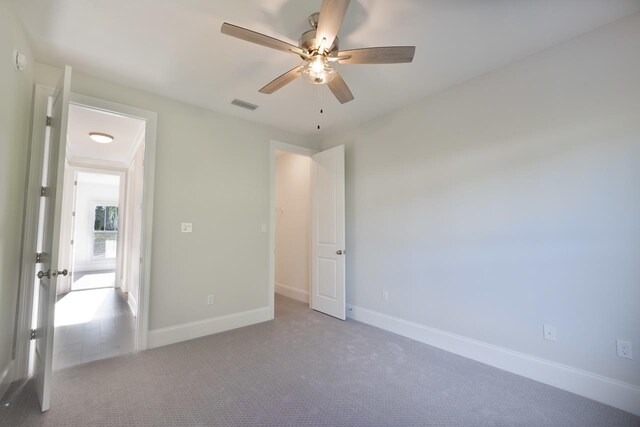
x: 91, y: 325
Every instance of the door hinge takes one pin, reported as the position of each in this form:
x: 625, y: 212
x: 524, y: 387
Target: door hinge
x: 35, y: 334
x: 73, y: 213
x: 44, y: 191
x: 49, y: 120
x: 72, y: 241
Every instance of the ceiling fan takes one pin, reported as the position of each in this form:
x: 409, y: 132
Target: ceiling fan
x: 319, y: 50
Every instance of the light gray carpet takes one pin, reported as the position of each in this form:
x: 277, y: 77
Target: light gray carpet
x: 303, y: 368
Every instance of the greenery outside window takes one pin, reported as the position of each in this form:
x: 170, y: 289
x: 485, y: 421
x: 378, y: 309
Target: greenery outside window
x: 105, y: 231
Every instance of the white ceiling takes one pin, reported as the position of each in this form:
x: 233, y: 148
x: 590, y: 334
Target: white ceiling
x: 82, y: 149
x: 175, y: 48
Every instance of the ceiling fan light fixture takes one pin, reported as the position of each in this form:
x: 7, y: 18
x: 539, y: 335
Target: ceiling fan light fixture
x: 101, y: 138
x: 319, y: 47
x: 317, y: 70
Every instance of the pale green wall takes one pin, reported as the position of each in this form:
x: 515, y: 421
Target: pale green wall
x: 15, y: 112
x: 211, y: 170
x: 507, y: 202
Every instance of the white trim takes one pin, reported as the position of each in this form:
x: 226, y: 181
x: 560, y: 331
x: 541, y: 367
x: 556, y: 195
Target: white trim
x: 97, y: 164
x: 6, y: 378
x: 133, y: 304
x: 291, y: 292
x: 92, y: 265
x: 138, y: 140
x: 101, y: 170
x: 588, y: 384
x: 148, y: 180
x: 273, y: 147
x: 200, y: 328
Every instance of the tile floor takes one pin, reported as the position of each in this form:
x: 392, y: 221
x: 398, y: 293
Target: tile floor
x: 91, y: 325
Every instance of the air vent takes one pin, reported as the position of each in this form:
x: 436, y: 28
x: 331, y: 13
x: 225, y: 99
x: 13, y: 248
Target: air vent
x: 244, y: 104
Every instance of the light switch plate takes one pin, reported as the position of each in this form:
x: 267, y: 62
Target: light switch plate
x: 187, y: 227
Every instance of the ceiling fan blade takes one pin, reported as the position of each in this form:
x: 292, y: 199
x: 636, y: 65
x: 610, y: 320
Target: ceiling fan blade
x: 281, y: 81
x: 340, y: 89
x: 261, y: 39
x: 332, y: 14
x: 377, y: 55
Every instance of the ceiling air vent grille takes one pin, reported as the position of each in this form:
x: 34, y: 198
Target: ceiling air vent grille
x: 244, y: 104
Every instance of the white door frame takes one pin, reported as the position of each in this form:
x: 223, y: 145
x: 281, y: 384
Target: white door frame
x: 76, y: 168
x: 31, y: 209
x: 273, y: 147
x: 69, y: 207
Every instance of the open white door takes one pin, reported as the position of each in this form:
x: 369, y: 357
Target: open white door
x: 327, y: 233
x: 51, y: 208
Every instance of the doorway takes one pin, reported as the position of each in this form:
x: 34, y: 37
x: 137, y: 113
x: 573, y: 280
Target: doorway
x: 307, y: 228
x: 292, y: 225
x: 95, y: 309
x: 47, y: 255
x: 95, y: 229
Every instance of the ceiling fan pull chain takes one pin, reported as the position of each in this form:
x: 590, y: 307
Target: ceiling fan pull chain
x: 320, y: 99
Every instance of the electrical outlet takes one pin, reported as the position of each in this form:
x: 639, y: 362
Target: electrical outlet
x: 549, y: 332
x: 186, y: 227
x: 624, y: 349
x: 210, y: 299
x: 385, y: 295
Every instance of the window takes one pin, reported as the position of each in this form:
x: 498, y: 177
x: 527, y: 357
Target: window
x: 105, y: 231
x: 106, y: 218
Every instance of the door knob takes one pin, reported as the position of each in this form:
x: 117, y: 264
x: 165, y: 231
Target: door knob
x: 42, y: 274
x: 56, y: 273
x: 340, y: 252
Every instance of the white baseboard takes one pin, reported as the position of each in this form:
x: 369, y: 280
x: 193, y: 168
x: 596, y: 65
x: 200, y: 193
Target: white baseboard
x: 133, y: 304
x: 294, y: 293
x: 6, y: 377
x: 593, y: 386
x: 188, y: 331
